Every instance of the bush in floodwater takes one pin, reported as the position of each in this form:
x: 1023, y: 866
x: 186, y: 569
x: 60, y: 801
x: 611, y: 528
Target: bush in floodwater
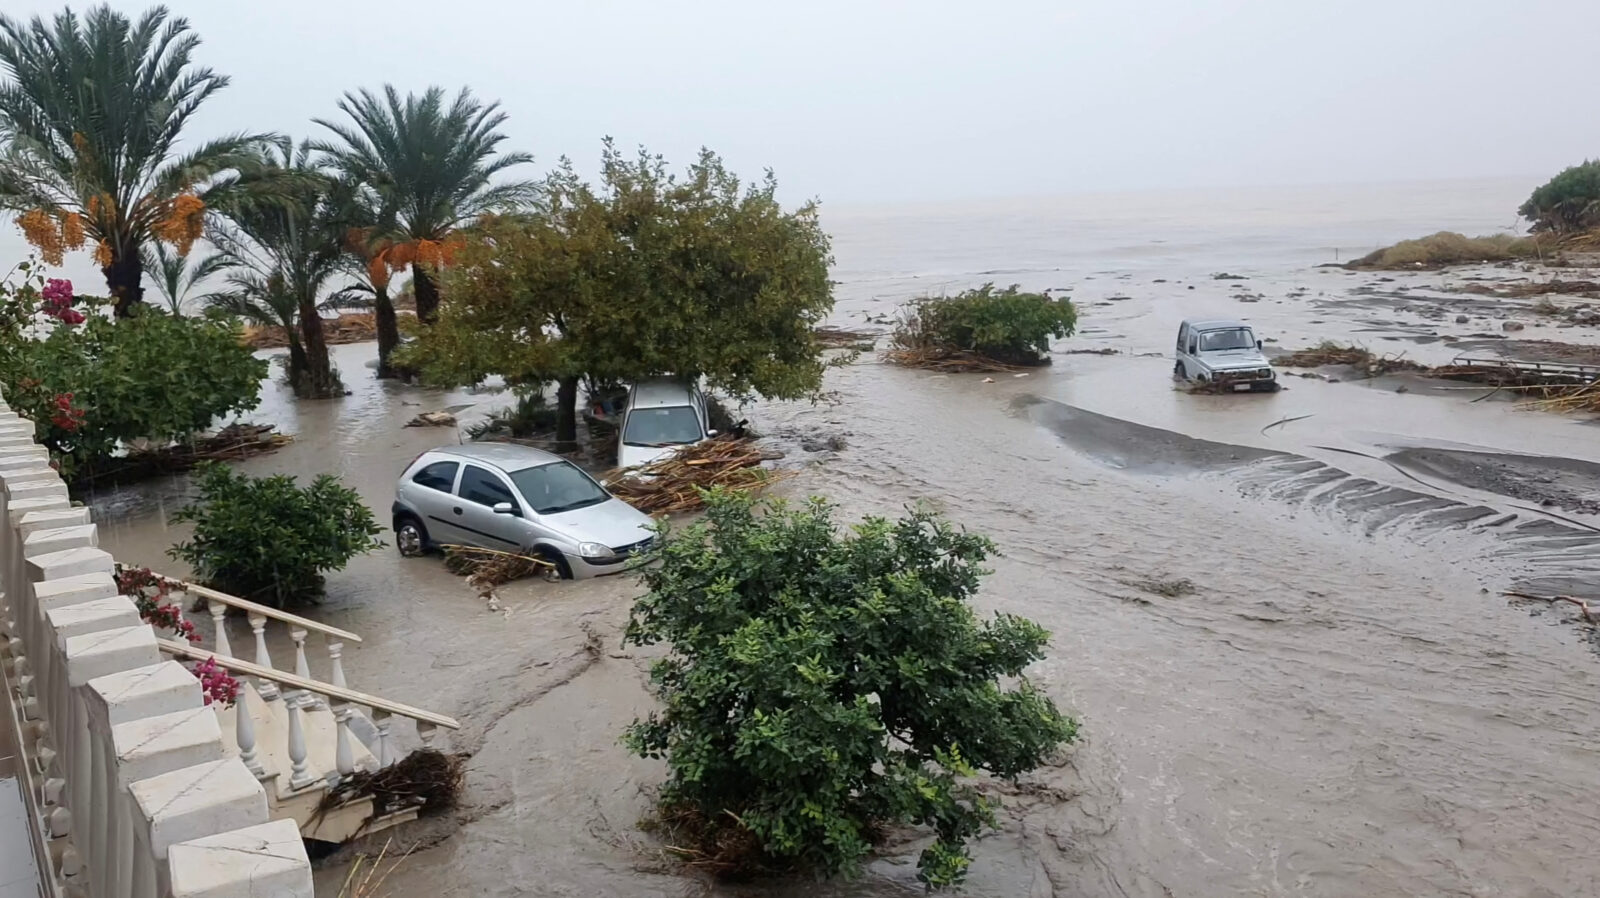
x: 1568, y: 202
x: 822, y: 686
x: 269, y: 540
x: 1005, y: 326
x: 1450, y: 248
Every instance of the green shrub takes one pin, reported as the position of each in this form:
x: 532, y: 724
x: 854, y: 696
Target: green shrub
x: 822, y: 686
x: 1568, y: 202
x: 1450, y: 248
x: 1003, y: 325
x: 267, y: 539
x: 531, y: 416
x: 153, y: 376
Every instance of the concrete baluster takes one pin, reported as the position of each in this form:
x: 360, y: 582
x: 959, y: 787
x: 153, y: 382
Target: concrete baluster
x: 267, y: 689
x: 343, y: 754
x: 382, y: 720
x: 244, y: 733
x: 302, y: 669
x: 219, y: 613
x: 300, y: 771
x: 336, y: 659
x: 426, y: 732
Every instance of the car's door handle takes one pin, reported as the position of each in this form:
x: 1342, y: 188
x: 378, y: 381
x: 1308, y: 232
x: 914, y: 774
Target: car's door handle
x: 457, y: 510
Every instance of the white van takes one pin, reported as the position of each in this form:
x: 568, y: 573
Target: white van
x: 663, y: 416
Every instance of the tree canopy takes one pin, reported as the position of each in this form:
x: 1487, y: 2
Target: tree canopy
x: 1570, y: 201
x: 648, y: 274
x: 93, y: 116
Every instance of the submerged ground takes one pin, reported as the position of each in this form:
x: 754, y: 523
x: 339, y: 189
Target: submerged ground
x: 1345, y: 705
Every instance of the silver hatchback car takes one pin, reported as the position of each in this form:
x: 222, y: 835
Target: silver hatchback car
x: 516, y: 499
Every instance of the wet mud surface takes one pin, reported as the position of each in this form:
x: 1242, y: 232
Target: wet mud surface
x: 1338, y: 701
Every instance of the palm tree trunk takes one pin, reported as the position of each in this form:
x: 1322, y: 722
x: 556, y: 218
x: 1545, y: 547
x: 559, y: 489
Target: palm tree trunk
x: 567, y: 411
x: 298, y: 366
x: 388, y: 332
x: 123, y: 279
x: 317, y: 382
x: 427, y: 293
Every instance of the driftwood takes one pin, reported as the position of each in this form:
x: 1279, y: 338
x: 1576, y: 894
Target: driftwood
x: 1583, y: 606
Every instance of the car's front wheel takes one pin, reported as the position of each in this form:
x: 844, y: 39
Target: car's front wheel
x: 410, y: 537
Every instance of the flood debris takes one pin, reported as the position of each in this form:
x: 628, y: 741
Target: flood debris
x: 487, y: 568
x: 351, y: 327
x: 1589, y: 615
x: 846, y: 338
x: 427, y: 779
x: 1172, y: 588
x: 675, y: 483
x: 433, y: 419
x: 235, y: 442
x: 1330, y: 353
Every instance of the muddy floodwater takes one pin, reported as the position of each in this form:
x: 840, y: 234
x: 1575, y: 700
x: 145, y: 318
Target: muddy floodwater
x: 1344, y: 703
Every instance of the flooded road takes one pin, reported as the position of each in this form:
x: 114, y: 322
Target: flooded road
x: 1343, y: 705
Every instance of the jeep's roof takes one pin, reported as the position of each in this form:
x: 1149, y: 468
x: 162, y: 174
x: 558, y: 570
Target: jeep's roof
x: 1212, y: 324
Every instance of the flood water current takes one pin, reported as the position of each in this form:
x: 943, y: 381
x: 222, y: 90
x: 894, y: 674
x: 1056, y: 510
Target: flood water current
x: 1342, y: 704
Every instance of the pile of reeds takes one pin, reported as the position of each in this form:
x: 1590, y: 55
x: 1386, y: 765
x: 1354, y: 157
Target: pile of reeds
x: 948, y: 361
x: 488, y: 568
x: 427, y: 779
x: 232, y: 443
x: 845, y: 338
x: 351, y: 327
x: 1570, y: 400
x: 674, y: 483
x: 1330, y: 353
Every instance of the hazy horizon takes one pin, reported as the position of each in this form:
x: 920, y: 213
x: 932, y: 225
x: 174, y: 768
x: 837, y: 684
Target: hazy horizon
x: 868, y: 103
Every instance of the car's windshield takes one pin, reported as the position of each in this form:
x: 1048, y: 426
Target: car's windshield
x: 558, y: 487
x: 1227, y: 338
x: 674, y: 425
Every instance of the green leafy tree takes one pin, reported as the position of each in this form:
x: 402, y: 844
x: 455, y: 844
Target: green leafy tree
x: 92, y: 118
x: 174, y: 277
x: 649, y: 275
x: 1568, y: 202
x: 269, y: 540
x: 1007, y: 326
x: 281, y: 260
x: 433, y: 168
x: 94, y: 387
x: 821, y: 686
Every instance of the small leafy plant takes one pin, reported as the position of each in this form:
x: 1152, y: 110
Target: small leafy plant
x: 1005, y: 326
x: 269, y: 540
x: 823, y: 686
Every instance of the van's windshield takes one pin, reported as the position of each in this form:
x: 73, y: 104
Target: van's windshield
x: 1227, y: 338
x: 674, y: 425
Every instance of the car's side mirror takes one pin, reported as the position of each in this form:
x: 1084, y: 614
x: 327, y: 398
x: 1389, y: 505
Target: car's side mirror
x: 1258, y: 344
x: 711, y: 433
x: 504, y: 508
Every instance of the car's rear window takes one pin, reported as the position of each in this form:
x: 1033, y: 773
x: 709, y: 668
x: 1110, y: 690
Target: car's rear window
x: 441, y: 475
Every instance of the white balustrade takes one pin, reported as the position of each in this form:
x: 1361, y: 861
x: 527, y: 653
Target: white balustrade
x: 258, y: 626
x: 128, y: 786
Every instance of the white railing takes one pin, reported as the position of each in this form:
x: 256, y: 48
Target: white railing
x: 127, y: 785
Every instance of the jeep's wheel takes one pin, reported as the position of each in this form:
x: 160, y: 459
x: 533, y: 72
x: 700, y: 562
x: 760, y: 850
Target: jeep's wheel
x: 1177, y: 369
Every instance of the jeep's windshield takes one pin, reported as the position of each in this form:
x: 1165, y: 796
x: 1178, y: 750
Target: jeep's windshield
x: 675, y: 425
x: 1227, y: 338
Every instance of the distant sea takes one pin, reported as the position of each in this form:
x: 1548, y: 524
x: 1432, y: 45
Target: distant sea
x: 1021, y: 239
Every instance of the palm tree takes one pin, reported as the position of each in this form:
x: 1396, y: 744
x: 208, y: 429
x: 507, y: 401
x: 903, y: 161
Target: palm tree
x: 369, y: 228
x: 432, y: 165
x: 280, y: 259
x: 92, y: 116
x: 175, y: 278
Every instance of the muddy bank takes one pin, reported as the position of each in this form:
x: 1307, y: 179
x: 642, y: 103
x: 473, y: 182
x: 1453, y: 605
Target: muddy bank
x: 1564, y: 483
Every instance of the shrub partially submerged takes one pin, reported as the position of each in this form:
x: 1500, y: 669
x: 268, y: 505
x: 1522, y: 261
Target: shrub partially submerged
x: 1450, y: 248
x: 823, y: 686
x: 981, y: 329
x: 267, y: 539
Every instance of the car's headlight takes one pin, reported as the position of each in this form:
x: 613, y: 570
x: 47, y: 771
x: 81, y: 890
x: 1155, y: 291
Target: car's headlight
x: 593, y: 550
